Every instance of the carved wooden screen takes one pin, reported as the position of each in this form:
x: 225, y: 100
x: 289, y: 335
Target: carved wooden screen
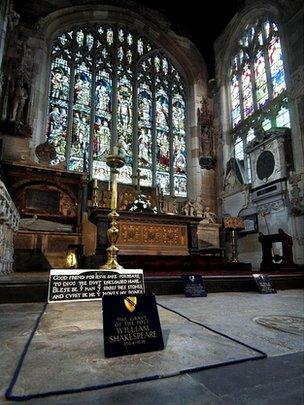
x: 110, y: 86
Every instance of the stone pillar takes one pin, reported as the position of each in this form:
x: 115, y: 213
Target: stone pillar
x: 4, y: 12
x: 9, y: 221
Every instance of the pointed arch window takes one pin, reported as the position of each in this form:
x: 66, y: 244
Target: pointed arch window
x: 257, y: 84
x: 108, y: 86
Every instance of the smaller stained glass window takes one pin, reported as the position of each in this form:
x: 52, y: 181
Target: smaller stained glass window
x: 283, y: 119
x: 250, y: 135
x: 276, y: 66
x: 266, y: 124
x: 238, y: 149
x: 260, y: 79
x: 247, y: 91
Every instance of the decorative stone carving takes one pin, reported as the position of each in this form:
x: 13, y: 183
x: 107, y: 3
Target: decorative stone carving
x: 198, y: 208
x: 276, y: 206
x: 9, y: 222
x: 13, y: 17
x: 232, y: 183
x: 209, y: 217
x: 207, y: 132
x: 297, y: 83
x: 18, y: 73
x: 37, y: 224
x: 19, y: 99
x: 296, y: 194
x: 270, y: 156
x: 189, y: 208
x: 45, y: 152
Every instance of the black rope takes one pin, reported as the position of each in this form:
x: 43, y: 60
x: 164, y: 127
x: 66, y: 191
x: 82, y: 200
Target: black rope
x: 23, y: 354
x: 10, y: 396
x: 263, y: 355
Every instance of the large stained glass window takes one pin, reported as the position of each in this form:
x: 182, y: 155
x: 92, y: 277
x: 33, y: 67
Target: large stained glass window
x: 110, y: 86
x: 257, y: 85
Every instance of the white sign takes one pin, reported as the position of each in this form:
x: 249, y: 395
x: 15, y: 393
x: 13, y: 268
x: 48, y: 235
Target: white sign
x: 66, y: 285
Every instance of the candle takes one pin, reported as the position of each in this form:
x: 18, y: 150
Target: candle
x: 95, y: 184
x: 115, y: 150
x: 114, y: 194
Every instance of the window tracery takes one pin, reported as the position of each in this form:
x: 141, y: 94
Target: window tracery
x: 110, y: 86
x: 257, y: 86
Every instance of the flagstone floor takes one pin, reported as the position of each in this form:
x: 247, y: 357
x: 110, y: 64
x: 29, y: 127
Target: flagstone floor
x: 66, y: 352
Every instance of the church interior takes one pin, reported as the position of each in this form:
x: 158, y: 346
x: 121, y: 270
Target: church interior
x: 138, y: 134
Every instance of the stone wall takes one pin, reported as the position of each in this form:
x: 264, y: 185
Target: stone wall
x: 28, y: 52
x: 285, y: 208
x: 9, y: 221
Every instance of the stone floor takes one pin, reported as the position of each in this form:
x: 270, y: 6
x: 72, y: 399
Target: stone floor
x: 66, y: 352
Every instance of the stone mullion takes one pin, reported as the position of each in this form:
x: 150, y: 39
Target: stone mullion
x: 114, y: 92
x: 239, y: 75
x: 135, y: 124
x: 153, y: 134
x: 92, y: 118
x: 253, y: 82
x: 71, y: 103
x: 171, y: 141
x: 268, y: 70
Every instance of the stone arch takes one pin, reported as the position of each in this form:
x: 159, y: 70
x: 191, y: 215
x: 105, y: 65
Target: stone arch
x: 224, y: 50
x: 181, y: 51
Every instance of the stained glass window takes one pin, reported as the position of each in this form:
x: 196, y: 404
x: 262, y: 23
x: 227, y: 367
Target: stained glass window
x: 257, y: 85
x: 238, y: 149
x: 110, y: 86
x: 282, y: 118
x: 260, y: 79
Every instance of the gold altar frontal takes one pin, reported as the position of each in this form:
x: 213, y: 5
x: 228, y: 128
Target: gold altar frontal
x: 152, y: 239
x: 148, y: 234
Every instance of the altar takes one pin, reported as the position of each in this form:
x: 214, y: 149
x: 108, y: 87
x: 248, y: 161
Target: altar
x: 148, y: 233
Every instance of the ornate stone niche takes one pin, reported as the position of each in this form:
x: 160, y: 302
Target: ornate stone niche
x: 207, y: 158
x: 49, y: 194
x: 49, y: 202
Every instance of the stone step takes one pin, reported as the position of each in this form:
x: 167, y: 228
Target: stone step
x: 32, y: 287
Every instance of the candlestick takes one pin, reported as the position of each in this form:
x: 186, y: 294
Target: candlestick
x: 115, y: 162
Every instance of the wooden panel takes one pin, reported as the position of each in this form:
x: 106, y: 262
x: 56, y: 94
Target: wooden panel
x: 24, y: 241
x: 59, y: 243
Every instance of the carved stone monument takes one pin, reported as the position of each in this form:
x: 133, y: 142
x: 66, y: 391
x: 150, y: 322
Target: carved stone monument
x: 9, y: 221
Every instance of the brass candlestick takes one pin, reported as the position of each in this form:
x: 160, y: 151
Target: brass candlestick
x: 115, y: 162
x: 234, y: 224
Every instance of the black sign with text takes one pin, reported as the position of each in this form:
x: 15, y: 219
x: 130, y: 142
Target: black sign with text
x: 194, y: 286
x: 131, y: 325
x: 87, y: 285
x: 264, y: 284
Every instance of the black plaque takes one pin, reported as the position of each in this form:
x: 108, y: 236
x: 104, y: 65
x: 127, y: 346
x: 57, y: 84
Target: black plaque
x: 264, y: 284
x: 131, y: 325
x: 265, y: 165
x: 194, y: 286
x: 43, y: 200
x: 87, y: 285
